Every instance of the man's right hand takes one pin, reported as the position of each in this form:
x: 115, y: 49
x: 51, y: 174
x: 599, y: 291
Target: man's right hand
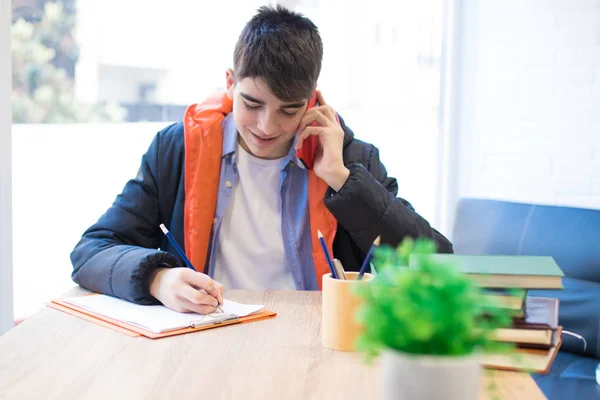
x: 184, y: 290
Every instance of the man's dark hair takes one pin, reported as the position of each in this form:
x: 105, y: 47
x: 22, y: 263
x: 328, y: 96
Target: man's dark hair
x: 284, y: 49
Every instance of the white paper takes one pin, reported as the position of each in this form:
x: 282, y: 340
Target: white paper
x: 239, y: 309
x: 158, y: 318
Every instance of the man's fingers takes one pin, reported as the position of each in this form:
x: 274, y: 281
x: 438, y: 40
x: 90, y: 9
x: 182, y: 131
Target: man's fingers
x: 196, y: 296
x: 330, y: 114
x: 315, y: 115
x: 220, y: 290
x: 308, y: 131
x: 198, y: 308
x: 320, y: 98
x: 324, y: 108
x: 200, y: 281
x: 205, y: 283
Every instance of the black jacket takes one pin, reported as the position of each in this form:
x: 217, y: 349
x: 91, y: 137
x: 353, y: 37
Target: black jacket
x: 116, y: 255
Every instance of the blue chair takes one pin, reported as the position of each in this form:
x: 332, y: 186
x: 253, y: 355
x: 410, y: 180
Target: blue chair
x: 572, y: 237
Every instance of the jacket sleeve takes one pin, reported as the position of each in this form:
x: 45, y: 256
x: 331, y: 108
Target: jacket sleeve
x: 367, y: 206
x: 116, y: 255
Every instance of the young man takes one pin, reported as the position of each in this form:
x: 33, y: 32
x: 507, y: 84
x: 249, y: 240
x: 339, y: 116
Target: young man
x: 228, y: 185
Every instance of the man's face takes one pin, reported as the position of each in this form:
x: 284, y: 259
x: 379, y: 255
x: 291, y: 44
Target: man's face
x: 266, y: 125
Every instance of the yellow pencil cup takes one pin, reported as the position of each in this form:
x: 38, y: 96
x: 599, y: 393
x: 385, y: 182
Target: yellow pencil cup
x: 338, y: 324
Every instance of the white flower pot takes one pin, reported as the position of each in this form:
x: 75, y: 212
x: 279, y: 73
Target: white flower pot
x: 425, y: 377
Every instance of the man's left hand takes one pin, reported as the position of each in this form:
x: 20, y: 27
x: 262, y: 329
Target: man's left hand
x: 329, y: 162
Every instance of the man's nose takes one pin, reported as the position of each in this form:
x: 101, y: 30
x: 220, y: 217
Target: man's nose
x: 267, y: 125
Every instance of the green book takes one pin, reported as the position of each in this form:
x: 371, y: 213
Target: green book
x: 490, y: 271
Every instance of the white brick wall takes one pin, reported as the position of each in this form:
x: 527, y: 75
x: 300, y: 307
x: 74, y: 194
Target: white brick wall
x: 529, y: 125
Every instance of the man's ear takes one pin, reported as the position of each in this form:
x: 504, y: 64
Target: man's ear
x: 230, y: 82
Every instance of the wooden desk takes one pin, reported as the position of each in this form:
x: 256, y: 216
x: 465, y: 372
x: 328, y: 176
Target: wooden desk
x: 53, y: 355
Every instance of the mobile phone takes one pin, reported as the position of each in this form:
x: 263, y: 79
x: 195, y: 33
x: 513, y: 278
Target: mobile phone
x: 309, y: 147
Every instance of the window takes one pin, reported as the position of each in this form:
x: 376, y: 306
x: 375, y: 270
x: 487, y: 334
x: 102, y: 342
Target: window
x: 146, y: 93
x: 93, y: 81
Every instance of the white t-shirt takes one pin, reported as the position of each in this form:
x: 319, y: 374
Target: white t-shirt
x: 250, y: 252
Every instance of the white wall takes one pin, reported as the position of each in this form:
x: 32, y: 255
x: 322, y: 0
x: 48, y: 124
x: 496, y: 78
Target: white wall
x: 529, y: 122
x: 6, y: 289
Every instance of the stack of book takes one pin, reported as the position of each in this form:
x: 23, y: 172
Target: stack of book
x: 536, y: 336
x: 535, y: 331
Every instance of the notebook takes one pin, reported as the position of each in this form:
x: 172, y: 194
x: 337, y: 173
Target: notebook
x: 155, y: 321
x: 491, y: 271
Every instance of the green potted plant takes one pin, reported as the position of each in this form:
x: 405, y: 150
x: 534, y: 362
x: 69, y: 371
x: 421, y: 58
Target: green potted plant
x: 429, y: 321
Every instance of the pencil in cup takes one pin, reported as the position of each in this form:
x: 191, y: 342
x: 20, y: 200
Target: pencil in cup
x: 340, y: 303
x: 368, y: 258
x: 327, y: 255
x: 339, y: 269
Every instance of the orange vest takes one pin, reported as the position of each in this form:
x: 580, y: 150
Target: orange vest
x: 203, y: 151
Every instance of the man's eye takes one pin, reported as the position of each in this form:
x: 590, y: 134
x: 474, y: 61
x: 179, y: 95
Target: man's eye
x: 251, y: 108
x: 289, y: 114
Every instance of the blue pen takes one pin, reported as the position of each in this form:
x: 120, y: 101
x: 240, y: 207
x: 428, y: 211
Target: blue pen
x: 174, y: 243
x: 368, y: 258
x: 327, y: 255
x: 181, y: 253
